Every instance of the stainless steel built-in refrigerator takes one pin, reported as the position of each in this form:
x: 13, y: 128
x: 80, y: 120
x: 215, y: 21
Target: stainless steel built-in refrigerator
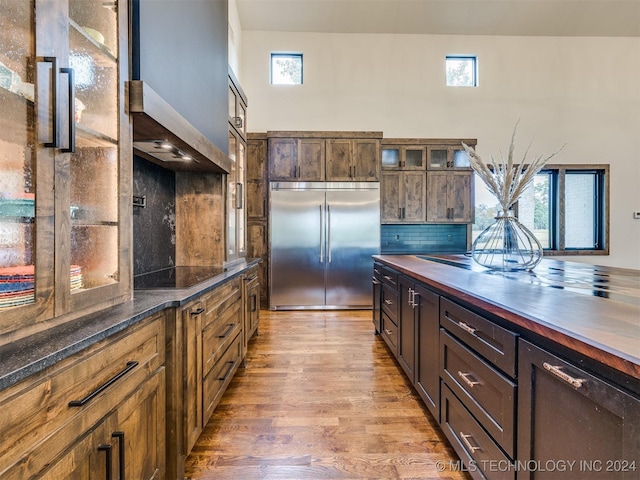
x: 322, y: 237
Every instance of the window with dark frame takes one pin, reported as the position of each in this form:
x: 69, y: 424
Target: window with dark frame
x: 286, y: 69
x: 565, y: 207
x: 461, y: 71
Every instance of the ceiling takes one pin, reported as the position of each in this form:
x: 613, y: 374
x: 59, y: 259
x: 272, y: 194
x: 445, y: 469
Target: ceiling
x: 617, y: 18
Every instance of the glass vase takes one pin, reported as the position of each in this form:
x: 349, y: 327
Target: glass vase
x: 507, y: 245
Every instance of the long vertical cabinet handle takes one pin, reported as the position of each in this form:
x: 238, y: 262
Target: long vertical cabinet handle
x: 106, y: 448
x: 121, y: 449
x: 321, y: 234
x: 239, y: 196
x: 414, y: 294
x: 55, y: 128
x: 328, y: 233
x: 72, y: 110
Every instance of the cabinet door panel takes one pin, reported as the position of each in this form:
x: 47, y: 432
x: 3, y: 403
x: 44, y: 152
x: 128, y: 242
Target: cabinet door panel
x: 283, y: 158
x: 142, y: 421
x: 311, y: 159
x: 366, y: 161
x: 192, y: 380
x: 461, y: 197
x: 390, y: 197
x: 414, y: 188
x: 256, y: 201
x: 256, y: 160
x: 406, y: 328
x: 428, y: 350
x: 437, y: 192
x: 566, y: 413
x: 339, y: 160
x: 87, y: 459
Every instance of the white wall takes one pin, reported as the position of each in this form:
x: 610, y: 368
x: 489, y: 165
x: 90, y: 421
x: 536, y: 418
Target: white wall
x: 584, y: 92
x: 235, y: 39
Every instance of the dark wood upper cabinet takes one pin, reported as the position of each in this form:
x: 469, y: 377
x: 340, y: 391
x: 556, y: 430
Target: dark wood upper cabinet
x: 353, y: 160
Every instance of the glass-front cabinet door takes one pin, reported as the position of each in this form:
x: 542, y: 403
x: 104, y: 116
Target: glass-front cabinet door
x: 447, y: 157
x: 65, y: 153
x: 236, y: 199
x: 94, y: 169
x: 26, y: 281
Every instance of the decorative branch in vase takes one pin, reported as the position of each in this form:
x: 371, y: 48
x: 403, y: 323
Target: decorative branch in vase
x: 507, y: 244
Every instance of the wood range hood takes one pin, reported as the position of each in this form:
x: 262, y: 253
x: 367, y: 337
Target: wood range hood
x: 163, y: 136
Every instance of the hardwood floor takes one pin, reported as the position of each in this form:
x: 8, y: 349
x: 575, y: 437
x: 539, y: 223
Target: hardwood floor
x: 320, y: 398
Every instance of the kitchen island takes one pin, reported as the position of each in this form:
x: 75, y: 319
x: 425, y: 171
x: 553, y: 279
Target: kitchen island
x: 520, y: 367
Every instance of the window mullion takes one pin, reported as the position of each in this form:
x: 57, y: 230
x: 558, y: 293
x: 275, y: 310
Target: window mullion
x: 560, y: 209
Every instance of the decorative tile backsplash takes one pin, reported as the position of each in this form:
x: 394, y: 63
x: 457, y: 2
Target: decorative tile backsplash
x: 426, y: 238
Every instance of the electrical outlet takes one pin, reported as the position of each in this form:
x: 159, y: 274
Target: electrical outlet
x: 636, y: 215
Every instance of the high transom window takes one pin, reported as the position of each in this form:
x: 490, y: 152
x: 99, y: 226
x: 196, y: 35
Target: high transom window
x: 286, y: 69
x: 461, y: 71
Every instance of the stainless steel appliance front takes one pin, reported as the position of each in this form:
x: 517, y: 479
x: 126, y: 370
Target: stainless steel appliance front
x: 323, y: 235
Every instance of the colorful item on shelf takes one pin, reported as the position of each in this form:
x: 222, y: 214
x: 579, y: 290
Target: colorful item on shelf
x: 17, y: 207
x: 76, y: 277
x: 12, y: 82
x: 17, y: 284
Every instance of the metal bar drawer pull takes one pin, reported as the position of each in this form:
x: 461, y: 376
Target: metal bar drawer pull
x: 79, y: 403
x: 557, y: 371
x: 465, y: 439
x: 467, y: 379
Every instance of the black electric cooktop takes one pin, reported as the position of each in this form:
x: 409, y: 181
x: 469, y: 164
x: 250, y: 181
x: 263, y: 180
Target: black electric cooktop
x: 175, y: 277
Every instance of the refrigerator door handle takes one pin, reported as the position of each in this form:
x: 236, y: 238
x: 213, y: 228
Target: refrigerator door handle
x: 328, y: 234
x: 321, y: 234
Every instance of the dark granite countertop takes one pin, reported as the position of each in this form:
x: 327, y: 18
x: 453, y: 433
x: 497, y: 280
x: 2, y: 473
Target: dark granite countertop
x: 588, y: 309
x: 34, y: 353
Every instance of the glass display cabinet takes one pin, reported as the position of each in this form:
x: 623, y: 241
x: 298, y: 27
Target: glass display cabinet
x: 446, y: 157
x: 236, y: 181
x: 65, y: 155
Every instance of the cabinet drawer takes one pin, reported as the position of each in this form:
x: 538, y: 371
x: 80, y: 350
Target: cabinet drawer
x: 217, y: 335
x: 491, y: 341
x: 390, y: 278
x: 390, y: 333
x: 220, y: 299
x: 95, y: 379
x: 489, y: 395
x: 216, y: 382
x: 389, y: 302
x: 377, y: 271
x: 479, y: 453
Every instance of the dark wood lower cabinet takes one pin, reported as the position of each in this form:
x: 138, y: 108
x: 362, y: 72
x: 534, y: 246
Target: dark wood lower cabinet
x: 376, y: 281
x: 510, y: 408
x: 572, y: 424
x: 427, y: 374
x: 407, y: 338
x: 480, y: 455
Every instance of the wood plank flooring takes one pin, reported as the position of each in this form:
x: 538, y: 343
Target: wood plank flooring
x: 320, y: 398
